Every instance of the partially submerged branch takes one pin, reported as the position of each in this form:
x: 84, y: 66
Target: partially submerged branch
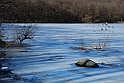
x: 24, y: 32
x: 14, y: 35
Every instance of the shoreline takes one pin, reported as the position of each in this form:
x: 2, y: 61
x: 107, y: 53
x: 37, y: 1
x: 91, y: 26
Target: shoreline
x: 59, y: 23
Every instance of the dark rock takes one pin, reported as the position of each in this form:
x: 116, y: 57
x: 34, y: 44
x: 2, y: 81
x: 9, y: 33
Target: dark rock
x: 87, y: 63
x: 2, y: 43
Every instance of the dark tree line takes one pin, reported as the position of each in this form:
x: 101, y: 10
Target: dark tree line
x: 33, y: 12
x: 62, y: 11
x: 93, y: 11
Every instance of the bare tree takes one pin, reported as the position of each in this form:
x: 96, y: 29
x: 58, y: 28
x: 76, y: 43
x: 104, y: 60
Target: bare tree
x: 24, y: 32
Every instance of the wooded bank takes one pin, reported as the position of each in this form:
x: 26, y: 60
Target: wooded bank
x: 62, y: 11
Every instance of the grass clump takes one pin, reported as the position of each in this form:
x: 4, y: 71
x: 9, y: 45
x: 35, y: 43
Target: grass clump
x: 98, y: 38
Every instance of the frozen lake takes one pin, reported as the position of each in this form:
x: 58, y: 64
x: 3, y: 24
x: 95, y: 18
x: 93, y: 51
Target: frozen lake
x: 50, y: 57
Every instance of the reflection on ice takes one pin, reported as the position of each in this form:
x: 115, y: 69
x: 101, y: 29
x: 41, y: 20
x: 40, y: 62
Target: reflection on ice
x: 50, y: 58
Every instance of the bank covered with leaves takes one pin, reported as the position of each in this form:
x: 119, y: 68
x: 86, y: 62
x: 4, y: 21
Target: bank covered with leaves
x: 62, y: 11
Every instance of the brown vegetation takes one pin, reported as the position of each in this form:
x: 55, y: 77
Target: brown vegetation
x: 90, y: 11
